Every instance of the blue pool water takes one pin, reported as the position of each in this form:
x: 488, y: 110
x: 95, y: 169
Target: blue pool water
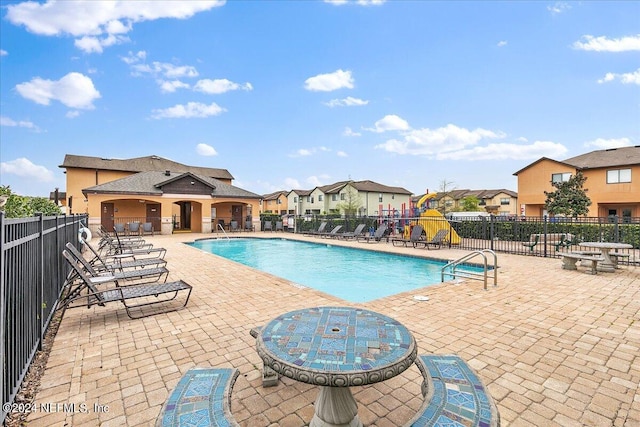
x: 354, y: 275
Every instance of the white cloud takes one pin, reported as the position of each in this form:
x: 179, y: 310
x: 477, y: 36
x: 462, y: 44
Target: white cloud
x: 502, y: 43
x: 329, y: 82
x: 358, y: 2
x: 559, y: 7
x: 74, y: 90
x: 218, y: 86
x: 170, y: 86
x: 316, y: 181
x: 625, y: 78
x: 191, y: 110
x: 25, y: 168
x: 291, y: 183
x: 98, y: 24
x: 165, y: 69
x: 304, y: 152
x: 341, y: 154
x: 6, y: 121
x: 507, y: 151
x: 604, y: 44
x: 602, y: 143
x: 388, y: 123
x: 346, y: 102
x: 72, y: 114
x: 206, y: 150
x: 429, y: 142
x: 349, y: 132
x: 3, y: 52
x: 133, y: 58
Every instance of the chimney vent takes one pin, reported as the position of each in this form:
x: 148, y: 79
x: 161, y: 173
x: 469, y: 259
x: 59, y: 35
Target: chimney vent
x: 167, y: 173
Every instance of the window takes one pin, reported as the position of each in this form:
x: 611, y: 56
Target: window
x: 295, y: 200
x: 342, y: 196
x: 278, y: 202
x: 618, y: 175
x: 380, y: 197
x: 320, y: 197
x: 309, y: 199
x: 505, y: 200
x: 482, y: 202
x: 334, y: 197
x: 560, y: 177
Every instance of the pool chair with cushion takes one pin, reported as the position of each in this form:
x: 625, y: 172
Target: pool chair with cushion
x: 121, y: 261
x: 87, y: 291
x: 147, y: 228
x: 379, y: 234
x: 414, y: 238
x: 437, y: 240
x: 279, y: 226
x: 268, y: 226
x: 233, y: 226
x: 352, y: 234
x: 134, y: 228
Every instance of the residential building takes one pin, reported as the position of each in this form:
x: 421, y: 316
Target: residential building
x: 367, y: 197
x: 275, y: 202
x: 496, y: 202
x: 612, y: 181
x: 170, y: 195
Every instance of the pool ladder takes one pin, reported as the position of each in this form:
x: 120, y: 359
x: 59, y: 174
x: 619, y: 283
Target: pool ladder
x: 223, y: 232
x: 451, y: 268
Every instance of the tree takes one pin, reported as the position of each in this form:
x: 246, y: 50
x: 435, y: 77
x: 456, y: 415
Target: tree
x: 351, y: 203
x: 24, y: 206
x: 470, y: 204
x: 446, y: 188
x: 569, y: 198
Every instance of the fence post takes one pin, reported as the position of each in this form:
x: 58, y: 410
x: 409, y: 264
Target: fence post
x: 545, y: 229
x: 616, y: 229
x: 492, y: 230
x: 3, y: 371
x: 40, y: 265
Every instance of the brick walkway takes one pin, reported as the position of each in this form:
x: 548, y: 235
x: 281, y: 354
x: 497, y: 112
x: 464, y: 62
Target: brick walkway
x: 555, y: 347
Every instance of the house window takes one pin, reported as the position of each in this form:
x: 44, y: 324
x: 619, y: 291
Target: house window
x: 309, y: 199
x: 320, y: 197
x: 618, y: 175
x: 560, y: 177
x: 482, y: 202
x: 278, y: 202
x: 380, y: 197
x: 342, y: 196
x: 334, y: 197
x: 295, y: 200
x: 505, y: 200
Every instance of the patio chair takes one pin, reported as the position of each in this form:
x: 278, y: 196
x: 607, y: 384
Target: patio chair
x: 379, y: 234
x: 414, y: 238
x: 320, y: 229
x: 248, y: 225
x: 437, y: 240
x: 331, y: 233
x: 352, y: 234
x: 118, y: 227
x: 279, y: 226
x: 147, y: 228
x: 85, y: 292
x: 233, y: 226
x: 136, y: 274
x: 268, y: 226
x: 134, y: 228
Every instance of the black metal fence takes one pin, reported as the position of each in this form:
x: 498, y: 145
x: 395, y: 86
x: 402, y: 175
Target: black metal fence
x: 32, y: 275
x: 501, y: 234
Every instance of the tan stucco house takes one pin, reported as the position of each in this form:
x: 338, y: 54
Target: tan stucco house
x: 497, y: 202
x: 169, y: 195
x: 613, y: 182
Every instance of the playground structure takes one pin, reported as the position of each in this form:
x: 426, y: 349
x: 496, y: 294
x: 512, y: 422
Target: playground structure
x: 429, y: 218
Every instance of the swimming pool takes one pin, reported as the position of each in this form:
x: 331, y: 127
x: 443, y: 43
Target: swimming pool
x: 354, y: 275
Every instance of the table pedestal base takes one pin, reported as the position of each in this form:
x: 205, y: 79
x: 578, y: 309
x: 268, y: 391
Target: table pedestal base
x: 335, y: 407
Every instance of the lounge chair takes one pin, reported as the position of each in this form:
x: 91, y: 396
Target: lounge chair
x: 268, y: 226
x: 279, y: 226
x: 414, y: 238
x: 320, y: 229
x: 437, y: 240
x: 121, y: 261
x: 352, y: 234
x: 379, y: 234
x: 85, y: 290
x: 123, y: 274
x: 331, y: 233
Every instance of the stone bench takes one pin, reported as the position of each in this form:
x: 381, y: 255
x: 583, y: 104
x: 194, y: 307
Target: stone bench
x: 570, y: 259
x: 453, y: 395
x: 201, y: 397
x: 269, y: 376
x: 616, y: 256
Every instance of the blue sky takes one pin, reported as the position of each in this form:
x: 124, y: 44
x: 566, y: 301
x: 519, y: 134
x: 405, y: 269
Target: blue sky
x: 295, y: 94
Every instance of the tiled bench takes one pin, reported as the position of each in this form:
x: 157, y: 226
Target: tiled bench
x: 202, y: 397
x: 453, y: 395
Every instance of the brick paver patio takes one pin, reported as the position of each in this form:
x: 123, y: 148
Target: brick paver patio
x: 554, y: 347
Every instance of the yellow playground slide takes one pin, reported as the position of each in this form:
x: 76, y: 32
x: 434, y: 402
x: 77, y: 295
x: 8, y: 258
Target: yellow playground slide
x: 432, y: 220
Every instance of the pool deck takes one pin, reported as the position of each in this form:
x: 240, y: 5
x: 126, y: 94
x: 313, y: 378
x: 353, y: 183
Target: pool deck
x: 554, y: 347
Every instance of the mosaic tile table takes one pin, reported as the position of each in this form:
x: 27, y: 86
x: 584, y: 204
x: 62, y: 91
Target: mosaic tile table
x: 336, y: 348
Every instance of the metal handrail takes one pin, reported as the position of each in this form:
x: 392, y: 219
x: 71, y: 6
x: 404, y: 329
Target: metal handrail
x: 223, y: 232
x: 453, y: 265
